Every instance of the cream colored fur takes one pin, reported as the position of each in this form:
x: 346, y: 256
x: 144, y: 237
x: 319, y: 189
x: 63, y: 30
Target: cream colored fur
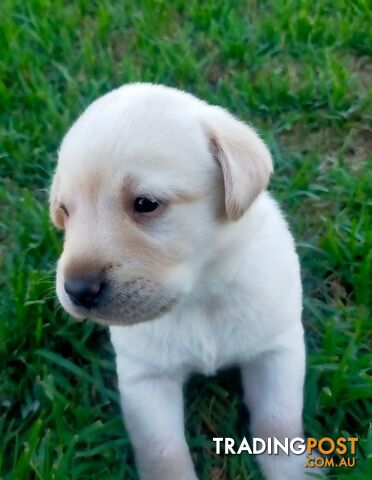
x: 209, y: 281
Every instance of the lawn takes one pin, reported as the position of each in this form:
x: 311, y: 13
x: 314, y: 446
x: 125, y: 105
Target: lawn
x: 300, y: 71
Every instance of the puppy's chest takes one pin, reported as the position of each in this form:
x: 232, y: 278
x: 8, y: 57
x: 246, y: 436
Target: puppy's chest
x: 203, y: 338
x: 196, y: 343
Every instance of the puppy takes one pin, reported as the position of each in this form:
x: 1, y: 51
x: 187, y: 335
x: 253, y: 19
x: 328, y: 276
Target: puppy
x: 172, y: 241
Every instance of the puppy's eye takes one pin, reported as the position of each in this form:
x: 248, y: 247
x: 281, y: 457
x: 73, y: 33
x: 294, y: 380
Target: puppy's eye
x: 145, y: 205
x: 64, y: 209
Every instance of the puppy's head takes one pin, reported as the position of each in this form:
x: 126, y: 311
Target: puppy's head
x: 148, y: 179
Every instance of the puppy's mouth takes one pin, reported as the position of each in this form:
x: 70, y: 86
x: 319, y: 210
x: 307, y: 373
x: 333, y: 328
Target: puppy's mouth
x: 109, y: 318
x: 133, y: 302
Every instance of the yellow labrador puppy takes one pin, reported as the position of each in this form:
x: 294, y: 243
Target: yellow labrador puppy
x: 172, y: 241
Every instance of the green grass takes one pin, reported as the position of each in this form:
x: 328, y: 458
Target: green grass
x: 297, y: 70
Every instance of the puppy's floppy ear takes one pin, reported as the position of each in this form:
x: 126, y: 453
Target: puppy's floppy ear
x: 54, y: 210
x: 244, y: 158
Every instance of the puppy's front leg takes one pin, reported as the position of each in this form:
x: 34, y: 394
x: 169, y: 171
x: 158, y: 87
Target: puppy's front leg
x: 153, y: 413
x: 273, y: 388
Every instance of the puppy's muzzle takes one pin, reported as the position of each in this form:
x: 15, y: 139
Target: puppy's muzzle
x: 85, y: 292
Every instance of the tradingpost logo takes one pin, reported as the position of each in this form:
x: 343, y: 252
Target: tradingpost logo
x: 343, y: 447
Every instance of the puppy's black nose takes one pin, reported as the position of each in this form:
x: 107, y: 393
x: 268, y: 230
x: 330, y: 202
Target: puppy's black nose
x: 84, y: 292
